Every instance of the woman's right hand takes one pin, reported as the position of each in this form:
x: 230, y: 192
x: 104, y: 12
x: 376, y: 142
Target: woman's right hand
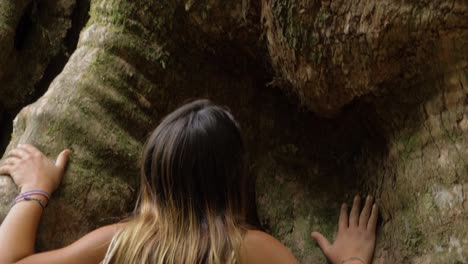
x: 30, y: 169
x: 356, y: 235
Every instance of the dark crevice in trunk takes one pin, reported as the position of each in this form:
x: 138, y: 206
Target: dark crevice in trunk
x: 79, y: 17
x: 26, y: 23
x: 6, y: 124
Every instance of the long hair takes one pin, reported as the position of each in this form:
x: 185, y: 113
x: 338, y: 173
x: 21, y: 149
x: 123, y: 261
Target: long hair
x: 192, y: 205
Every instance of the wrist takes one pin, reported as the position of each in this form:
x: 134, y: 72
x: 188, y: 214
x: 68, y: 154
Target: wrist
x: 44, y: 200
x: 39, y: 196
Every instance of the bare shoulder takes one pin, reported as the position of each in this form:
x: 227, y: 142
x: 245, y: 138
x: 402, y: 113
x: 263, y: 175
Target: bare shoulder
x: 260, y: 247
x: 109, y: 229
x: 103, y: 234
x: 101, y: 237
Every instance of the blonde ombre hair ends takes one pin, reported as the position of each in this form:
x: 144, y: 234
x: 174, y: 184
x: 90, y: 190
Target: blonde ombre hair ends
x: 192, y: 206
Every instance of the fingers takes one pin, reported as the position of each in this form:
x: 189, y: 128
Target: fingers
x: 18, y: 153
x: 28, y: 148
x: 11, y: 161
x: 323, y: 243
x: 354, y: 215
x: 366, y: 211
x: 373, y: 219
x: 343, y: 222
x: 5, y: 169
x: 24, y: 150
x: 62, y: 158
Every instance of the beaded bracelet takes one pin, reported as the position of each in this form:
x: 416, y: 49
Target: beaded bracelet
x: 41, y: 203
x: 29, y: 198
x: 26, y: 196
x: 33, y: 192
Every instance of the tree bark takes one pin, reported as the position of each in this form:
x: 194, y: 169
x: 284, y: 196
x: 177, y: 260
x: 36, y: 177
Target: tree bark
x: 392, y: 75
x: 331, y: 52
x: 32, y: 33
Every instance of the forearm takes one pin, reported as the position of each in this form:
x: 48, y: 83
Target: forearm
x: 38, y: 177
x: 18, y: 231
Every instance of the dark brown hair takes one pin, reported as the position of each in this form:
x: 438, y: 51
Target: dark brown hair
x: 192, y: 206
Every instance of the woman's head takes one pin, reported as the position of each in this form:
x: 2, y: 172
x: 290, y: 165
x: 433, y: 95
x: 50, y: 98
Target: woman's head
x: 192, y: 205
x: 194, y: 162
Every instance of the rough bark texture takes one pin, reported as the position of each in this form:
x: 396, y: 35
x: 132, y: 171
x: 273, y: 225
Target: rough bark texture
x: 331, y: 52
x: 31, y: 34
x: 410, y: 60
x: 36, y: 40
x: 393, y: 74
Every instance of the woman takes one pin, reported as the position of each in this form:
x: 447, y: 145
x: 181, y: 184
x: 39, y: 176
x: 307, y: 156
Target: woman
x: 191, y: 208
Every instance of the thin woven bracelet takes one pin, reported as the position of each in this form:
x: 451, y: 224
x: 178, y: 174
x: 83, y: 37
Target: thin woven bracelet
x: 40, y: 192
x: 27, y: 199
x: 353, y: 258
x: 21, y: 196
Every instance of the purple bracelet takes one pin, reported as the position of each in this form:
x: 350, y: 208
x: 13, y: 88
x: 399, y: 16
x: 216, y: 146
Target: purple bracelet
x: 27, y: 198
x: 33, y: 192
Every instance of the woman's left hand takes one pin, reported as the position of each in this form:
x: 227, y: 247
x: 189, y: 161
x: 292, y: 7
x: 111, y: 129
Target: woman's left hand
x: 32, y: 170
x: 356, y: 234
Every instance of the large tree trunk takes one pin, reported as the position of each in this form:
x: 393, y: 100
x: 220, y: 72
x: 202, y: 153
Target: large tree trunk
x: 407, y: 61
x: 36, y: 40
x: 390, y: 76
